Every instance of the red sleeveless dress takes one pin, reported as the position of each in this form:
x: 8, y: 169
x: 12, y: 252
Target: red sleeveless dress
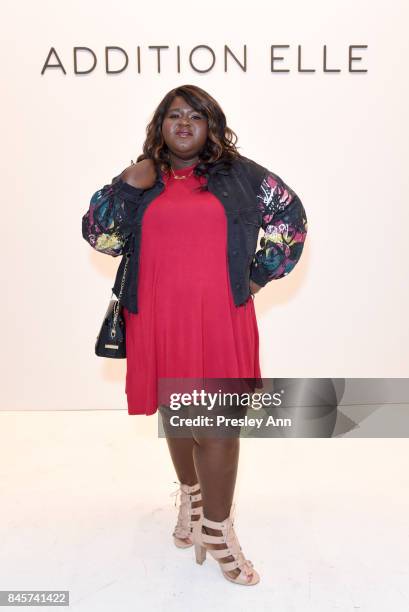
x: 187, y: 324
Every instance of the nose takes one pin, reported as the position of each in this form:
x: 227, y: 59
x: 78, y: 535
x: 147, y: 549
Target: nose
x: 184, y: 123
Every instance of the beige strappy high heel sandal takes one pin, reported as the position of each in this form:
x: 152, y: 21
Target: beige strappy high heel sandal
x: 182, y: 534
x: 247, y: 575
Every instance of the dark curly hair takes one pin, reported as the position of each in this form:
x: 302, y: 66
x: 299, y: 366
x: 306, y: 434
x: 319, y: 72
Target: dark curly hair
x: 221, y: 140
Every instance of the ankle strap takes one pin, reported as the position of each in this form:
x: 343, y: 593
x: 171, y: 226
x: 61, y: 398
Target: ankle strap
x: 188, y: 488
x: 192, y: 488
x: 216, y: 524
x: 195, y: 498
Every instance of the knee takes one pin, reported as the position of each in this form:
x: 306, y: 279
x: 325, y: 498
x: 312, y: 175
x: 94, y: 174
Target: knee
x: 218, y: 445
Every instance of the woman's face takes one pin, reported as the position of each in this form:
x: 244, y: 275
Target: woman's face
x: 184, y: 129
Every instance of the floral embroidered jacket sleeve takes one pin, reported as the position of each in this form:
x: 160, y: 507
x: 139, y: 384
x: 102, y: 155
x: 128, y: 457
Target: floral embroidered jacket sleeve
x: 284, y: 222
x: 106, y: 224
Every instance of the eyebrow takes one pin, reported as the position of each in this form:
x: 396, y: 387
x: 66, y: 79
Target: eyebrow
x: 179, y: 109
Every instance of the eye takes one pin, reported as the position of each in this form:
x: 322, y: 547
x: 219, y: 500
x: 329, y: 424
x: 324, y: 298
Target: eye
x: 175, y: 114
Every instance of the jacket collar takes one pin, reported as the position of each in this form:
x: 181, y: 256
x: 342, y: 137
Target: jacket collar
x: 219, y: 167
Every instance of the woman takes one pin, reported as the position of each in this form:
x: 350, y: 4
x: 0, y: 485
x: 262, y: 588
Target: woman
x: 188, y: 213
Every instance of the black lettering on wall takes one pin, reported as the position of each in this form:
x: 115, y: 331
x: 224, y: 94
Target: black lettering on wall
x: 274, y: 58
x: 138, y: 58
x: 107, y: 68
x: 227, y: 50
x: 352, y: 58
x: 158, y: 50
x: 240, y: 59
x: 47, y: 64
x: 76, y: 71
x: 191, y: 58
x: 299, y: 63
x: 324, y: 67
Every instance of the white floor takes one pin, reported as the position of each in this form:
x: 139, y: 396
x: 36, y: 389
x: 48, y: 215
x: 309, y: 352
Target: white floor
x: 86, y: 507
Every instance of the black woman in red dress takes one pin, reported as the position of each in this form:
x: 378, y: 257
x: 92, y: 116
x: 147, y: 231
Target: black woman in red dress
x: 188, y: 323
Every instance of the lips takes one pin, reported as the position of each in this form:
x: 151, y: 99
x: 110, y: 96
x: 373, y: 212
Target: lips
x: 184, y: 133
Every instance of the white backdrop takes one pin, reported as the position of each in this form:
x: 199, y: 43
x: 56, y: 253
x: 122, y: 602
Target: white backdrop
x: 339, y: 139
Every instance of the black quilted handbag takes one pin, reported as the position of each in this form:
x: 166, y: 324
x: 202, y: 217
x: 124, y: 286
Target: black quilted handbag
x: 110, y: 341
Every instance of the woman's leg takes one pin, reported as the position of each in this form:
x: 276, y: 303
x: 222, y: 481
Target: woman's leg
x: 213, y: 462
x: 181, y: 452
x: 180, y: 448
x: 216, y: 461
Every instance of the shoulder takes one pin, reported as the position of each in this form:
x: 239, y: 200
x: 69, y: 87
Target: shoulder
x: 252, y: 169
x: 249, y: 170
x: 139, y: 175
x: 263, y: 179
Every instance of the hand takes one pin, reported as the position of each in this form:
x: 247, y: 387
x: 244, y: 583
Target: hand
x: 141, y: 175
x: 254, y: 287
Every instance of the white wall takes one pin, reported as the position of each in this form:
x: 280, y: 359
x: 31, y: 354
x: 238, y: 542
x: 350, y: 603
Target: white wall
x: 340, y: 140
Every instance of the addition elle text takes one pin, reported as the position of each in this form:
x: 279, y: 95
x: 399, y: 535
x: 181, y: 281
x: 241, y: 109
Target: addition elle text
x: 202, y: 59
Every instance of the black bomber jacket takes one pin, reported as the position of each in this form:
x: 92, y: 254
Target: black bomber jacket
x: 252, y: 196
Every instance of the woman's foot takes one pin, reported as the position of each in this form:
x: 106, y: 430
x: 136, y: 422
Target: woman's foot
x: 190, y: 509
x: 216, y: 532
x: 224, y: 546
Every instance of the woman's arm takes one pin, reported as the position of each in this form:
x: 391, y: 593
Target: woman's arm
x: 284, y: 222
x: 107, y: 224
